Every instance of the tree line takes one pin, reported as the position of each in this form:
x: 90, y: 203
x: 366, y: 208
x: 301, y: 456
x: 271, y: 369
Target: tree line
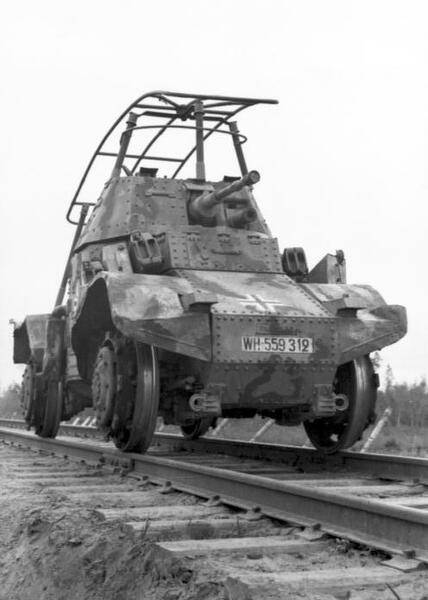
x: 408, y: 402
x: 10, y: 404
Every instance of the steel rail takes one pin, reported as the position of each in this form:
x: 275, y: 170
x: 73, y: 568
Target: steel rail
x: 384, y: 466
x: 64, y: 428
x: 371, y: 522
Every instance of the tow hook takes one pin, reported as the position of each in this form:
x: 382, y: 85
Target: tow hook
x: 342, y: 402
x: 205, y: 404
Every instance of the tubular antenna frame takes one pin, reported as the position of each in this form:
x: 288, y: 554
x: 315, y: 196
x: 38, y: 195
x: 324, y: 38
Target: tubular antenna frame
x: 218, y: 109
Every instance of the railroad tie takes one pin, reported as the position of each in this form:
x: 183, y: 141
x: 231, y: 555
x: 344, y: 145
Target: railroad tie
x: 274, y: 543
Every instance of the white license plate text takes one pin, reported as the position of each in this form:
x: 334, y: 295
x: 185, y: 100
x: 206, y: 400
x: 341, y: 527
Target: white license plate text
x: 277, y: 344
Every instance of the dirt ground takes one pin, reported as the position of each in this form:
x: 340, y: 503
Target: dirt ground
x: 52, y: 550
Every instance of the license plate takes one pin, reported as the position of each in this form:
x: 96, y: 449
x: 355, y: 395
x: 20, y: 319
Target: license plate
x: 277, y: 343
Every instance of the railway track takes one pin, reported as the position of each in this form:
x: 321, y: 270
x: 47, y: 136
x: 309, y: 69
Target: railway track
x: 262, y: 501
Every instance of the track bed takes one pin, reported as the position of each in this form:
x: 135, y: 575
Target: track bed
x: 225, y: 542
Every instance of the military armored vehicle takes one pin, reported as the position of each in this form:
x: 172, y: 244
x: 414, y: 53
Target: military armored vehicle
x: 179, y: 303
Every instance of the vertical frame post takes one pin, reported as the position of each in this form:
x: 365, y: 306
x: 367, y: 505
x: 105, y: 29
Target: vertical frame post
x: 66, y: 275
x: 199, y: 119
x: 238, y: 147
x: 124, y: 143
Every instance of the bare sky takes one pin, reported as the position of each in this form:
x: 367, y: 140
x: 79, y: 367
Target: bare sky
x: 343, y: 158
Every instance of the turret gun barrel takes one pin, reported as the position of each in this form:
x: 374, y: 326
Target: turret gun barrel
x: 204, y: 205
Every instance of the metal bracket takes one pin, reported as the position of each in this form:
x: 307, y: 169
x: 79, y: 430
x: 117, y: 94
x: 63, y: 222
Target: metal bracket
x: 404, y: 564
x: 198, y: 187
x: 198, y: 299
x: 323, y: 404
x: 144, y: 250
x: 313, y: 533
x: 204, y: 404
x: 227, y: 244
x: 294, y: 264
x: 346, y: 306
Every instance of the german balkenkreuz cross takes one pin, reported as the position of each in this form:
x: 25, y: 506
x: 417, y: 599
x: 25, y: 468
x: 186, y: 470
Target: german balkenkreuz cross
x: 260, y: 304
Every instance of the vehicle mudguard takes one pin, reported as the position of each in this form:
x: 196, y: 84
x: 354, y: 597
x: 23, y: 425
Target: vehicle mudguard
x: 365, y: 322
x: 146, y: 308
x: 29, y: 339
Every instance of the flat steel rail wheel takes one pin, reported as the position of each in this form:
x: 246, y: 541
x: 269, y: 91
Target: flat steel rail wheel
x: 51, y: 409
x: 197, y: 429
x: 28, y: 392
x: 357, y: 381
x: 137, y: 397
x: 104, y: 386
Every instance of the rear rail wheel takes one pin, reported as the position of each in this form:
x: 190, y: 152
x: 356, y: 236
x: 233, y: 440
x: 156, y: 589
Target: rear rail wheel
x: 50, y: 411
x: 48, y: 401
x: 28, y: 393
x: 196, y: 429
x: 42, y: 402
x: 356, y: 380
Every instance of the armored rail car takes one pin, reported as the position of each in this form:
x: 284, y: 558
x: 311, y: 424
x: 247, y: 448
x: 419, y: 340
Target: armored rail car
x: 180, y: 304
